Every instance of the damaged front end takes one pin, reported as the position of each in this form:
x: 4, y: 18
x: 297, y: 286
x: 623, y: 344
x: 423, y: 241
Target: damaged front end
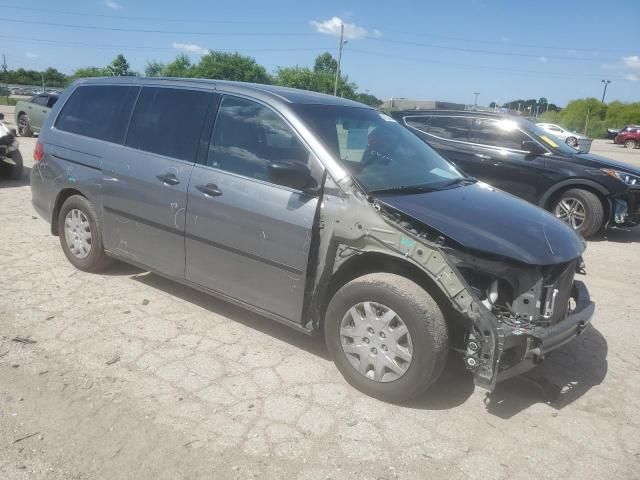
x: 529, y: 311
x: 512, y: 313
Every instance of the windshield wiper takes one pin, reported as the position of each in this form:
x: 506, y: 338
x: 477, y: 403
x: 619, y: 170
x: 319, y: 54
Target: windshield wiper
x: 461, y: 181
x: 403, y: 189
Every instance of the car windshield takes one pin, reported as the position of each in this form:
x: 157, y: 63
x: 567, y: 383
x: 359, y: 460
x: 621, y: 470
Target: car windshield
x: 380, y: 154
x: 547, y: 139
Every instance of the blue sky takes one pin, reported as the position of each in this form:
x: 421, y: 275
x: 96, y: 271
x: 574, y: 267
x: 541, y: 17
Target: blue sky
x: 397, y: 48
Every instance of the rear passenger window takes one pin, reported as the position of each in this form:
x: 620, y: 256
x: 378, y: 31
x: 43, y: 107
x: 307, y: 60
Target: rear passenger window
x: 40, y: 100
x: 498, y: 133
x: 248, y: 136
x: 449, y: 128
x: 168, y: 121
x: 98, y: 111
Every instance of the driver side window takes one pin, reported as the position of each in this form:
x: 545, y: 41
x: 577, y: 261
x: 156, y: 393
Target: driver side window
x: 248, y: 136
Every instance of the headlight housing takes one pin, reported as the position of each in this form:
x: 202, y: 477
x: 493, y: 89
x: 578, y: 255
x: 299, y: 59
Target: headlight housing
x: 627, y: 178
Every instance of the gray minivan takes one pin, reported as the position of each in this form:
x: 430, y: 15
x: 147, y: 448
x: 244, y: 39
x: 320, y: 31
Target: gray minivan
x: 318, y: 212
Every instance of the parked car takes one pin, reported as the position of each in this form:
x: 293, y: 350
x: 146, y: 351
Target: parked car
x: 10, y: 156
x: 613, y: 132
x: 315, y: 211
x: 629, y: 137
x: 573, y: 139
x: 587, y: 191
x: 30, y: 114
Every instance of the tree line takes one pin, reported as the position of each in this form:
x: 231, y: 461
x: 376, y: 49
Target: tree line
x: 592, y: 116
x: 213, y: 65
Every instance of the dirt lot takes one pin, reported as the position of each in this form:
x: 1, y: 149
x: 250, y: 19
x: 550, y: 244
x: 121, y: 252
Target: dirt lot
x: 133, y: 376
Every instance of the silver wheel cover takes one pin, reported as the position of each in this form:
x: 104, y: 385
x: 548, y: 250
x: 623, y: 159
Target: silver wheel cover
x: 77, y: 233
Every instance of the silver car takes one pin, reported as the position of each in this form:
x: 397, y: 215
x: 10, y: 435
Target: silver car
x: 317, y: 212
x: 573, y: 139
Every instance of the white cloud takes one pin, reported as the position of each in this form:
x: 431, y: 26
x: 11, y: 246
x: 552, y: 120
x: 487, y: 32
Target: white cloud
x: 632, y: 61
x: 631, y: 76
x: 543, y: 59
x: 30, y: 55
x: 112, y: 4
x: 190, y: 48
x: 351, y: 30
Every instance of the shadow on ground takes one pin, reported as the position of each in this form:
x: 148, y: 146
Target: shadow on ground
x: 565, y: 376
x: 618, y: 235
x: 21, y: 182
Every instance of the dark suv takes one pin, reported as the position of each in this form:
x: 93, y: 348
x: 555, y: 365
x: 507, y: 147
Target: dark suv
x: 587, y: 191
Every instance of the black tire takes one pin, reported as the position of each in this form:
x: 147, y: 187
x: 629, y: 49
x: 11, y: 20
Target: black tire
x: 594, y: 210
x: 423, y: 319
x: 24, y: 125
x: 571, y: 141
x: 96, y: 259
x: 630, y: 143
x: 12, y: 171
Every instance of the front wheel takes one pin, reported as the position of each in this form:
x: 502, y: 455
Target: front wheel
x: 630, y: 144
x: 81, y: 235
x: 581, y: 210
x: 571, y: 141
x: 11, y: 166
x: 387, y: 336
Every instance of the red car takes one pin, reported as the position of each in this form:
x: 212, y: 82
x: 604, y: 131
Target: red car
x: 628, y: 138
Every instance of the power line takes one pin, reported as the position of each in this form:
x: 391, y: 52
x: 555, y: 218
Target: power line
x: 488, y: 52
x: 480, y: 67
x: 245, y: 22
x: 173, y: 32
x: 142, y: 47
x: 146, y: 19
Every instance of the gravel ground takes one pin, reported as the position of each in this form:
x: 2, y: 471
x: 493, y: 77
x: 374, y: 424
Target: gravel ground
x: 133, y: 376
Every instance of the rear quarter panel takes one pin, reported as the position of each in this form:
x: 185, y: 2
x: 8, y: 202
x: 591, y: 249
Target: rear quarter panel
x: 70, y: 162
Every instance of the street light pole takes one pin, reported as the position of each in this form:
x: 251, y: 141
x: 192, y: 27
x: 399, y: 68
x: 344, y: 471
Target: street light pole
x: 606, y: 82
x: 342, y: 42
x: 475, y: 103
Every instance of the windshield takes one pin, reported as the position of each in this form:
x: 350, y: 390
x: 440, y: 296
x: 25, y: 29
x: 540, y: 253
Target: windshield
x: 548, y: 139
x: 378, y: 152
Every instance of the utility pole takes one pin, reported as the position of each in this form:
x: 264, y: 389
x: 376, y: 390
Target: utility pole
x: 475, y: 102
x: 586, y: 122
x: 5, y: 75
x: 606, y: 82
x: 518, y: 107
x: 43, y: 82
x: 342, y: 44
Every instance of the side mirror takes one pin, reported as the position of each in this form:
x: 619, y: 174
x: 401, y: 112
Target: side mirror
x: 532, y: 147
x: 1, y: 116
x: 290, y: 174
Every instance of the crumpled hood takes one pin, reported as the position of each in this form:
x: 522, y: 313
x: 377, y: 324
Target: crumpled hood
x: 481, y: 218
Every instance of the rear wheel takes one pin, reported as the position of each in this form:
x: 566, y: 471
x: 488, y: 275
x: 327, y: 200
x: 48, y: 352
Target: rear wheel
x: 630, y: 143
x: 81, y: 235
x: 571, y: 141
x: 24, y: 126
x: 387, y: 336
x: 581, y: 210
x: 11, y: 166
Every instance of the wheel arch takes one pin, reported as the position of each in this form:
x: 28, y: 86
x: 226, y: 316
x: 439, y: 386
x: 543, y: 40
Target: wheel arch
x: 553, y: 194
x: 57, y: 205
x: 376, y: 262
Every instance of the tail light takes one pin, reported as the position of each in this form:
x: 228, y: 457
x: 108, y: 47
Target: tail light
x: 38, y: 153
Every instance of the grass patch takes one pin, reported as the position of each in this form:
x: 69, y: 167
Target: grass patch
x: 8, y: 101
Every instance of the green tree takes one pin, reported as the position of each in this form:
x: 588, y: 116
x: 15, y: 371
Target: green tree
x: 325, y: 63
x: 89, y: 72
x: 154, y: 69
x: 180, y: 67
x: 119, y: 67
x: 231, y: 66
x: 368, y: 99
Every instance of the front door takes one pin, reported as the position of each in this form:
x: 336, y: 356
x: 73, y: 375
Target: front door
x: 145, y: 180
x: 247, y: 237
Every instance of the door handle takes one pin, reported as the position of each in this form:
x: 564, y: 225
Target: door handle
x: 168, y: 178
x: 210, y: 189
x: 482, y: 156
